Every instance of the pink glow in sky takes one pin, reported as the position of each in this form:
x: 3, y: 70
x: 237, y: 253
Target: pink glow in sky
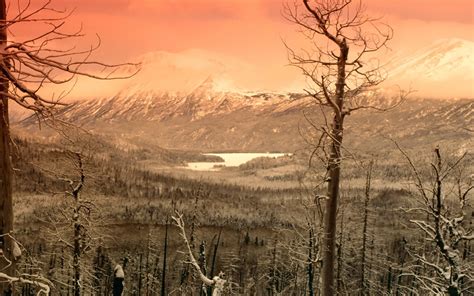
x: 250, y: 30
x: 247, y: 28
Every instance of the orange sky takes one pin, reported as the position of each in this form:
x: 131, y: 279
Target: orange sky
x: 132, y: 27
x: 250, y: 30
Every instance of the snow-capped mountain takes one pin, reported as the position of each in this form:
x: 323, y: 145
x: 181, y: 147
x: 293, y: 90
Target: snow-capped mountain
x: 443, y: 69
x: 181, y: 73
x: 201, y: 111
x: 212, y: 120
x: 205, y: 100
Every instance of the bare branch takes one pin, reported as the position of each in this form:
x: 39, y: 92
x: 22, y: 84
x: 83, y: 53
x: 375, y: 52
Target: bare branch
x: 217, y: 282
x: 35, y: 63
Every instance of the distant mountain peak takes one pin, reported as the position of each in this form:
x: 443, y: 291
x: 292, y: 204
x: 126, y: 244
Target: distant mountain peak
x: 210, y: 84
x: 442, y: 63
x: 214, y: 84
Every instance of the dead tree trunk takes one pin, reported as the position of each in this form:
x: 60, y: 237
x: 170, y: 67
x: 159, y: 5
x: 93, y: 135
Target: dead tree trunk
x: 216, y: 282
x: 202, y: 264
x: 35, y: 65
x: 76, y: 261
x: 78, y: 247
x: 165, y: 255
x: 341, y: 85
x: 6, y: 175
x: 340, y: 259
x: 334, y: 168
x: 310, y: 263
x: 214, y: 258
x: 363, y: 282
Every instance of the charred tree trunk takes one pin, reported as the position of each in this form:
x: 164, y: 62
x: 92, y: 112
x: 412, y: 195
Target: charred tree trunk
x: 202, y: 264
x: 340, y: 260
x: 6, y: 172
x: 76, y: 263
x: 310, y: 264
x: 328, y: 67
x: 165, y: 255
x: 363, y: 282
x: 78, y: 246
x: 334, y: 170
x: 214, y: 258
x: 274, y: 281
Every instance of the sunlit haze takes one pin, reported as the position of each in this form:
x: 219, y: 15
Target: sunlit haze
x: 240, y: 42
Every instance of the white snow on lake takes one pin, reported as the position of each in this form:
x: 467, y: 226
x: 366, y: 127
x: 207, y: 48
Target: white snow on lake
x: 230, y: 160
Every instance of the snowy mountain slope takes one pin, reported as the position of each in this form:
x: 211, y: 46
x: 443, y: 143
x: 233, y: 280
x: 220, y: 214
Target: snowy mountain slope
x: 204, y: 100
x: 210, y: 120
x: 199, y: 109
x: 443, y: 69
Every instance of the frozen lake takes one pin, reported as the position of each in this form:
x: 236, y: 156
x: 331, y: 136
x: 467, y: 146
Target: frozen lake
x: 230, y: 160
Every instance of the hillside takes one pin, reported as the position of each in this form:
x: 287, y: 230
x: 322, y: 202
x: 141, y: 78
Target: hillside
x: 206, y: 112
x: 208, y: 120
x: 442, y: 69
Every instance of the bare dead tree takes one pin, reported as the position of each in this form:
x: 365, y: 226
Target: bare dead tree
x: 214, y: 259
x: 76, y: 215
x: 310, y: 263
x: 217, y: 282
x: 338, y: 65
x: 302, y: 245
x: 364, y: 283
x: 29, y: 66
x: 79, y: 236
x: 444, y: 199
x: 32, y: 64
x: 73, y: 226
x: 6, y: 171
x: 302, y: 241
x: 165, y: 260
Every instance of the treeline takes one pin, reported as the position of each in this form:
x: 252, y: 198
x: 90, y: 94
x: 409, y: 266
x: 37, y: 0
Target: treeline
x: 116, y: 175
x: 267, y: 242
x: 135, y: 195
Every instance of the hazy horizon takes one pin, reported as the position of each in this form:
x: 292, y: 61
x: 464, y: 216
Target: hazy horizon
x: 240, y: 43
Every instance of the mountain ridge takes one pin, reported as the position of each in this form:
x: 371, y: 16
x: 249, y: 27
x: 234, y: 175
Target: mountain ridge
x: 442, y: 69
x: 209, y: 117
x: 208, y: 120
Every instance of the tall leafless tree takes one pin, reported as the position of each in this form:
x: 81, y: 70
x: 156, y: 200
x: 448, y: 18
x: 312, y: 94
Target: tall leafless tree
x: 6, y: 202
x: 79, y: 234
x: 28, y: 66
x: 342, y: 73
x: 364, y: 283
